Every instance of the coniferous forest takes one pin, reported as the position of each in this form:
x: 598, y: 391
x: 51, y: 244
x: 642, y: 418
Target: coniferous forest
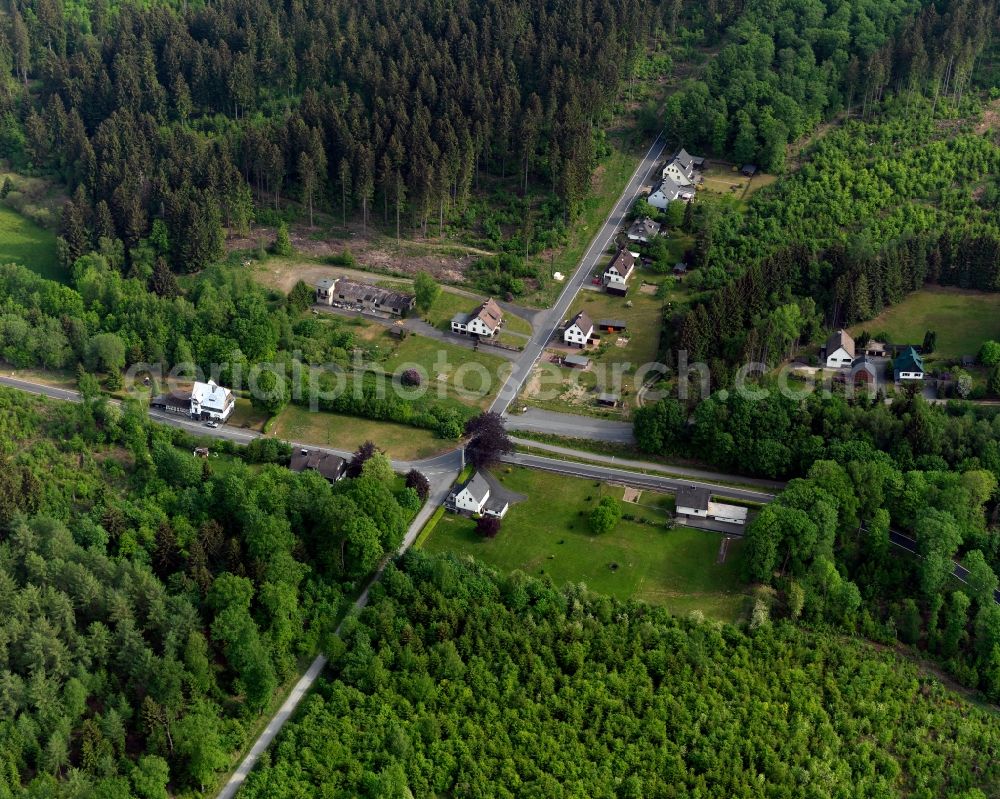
x: 192, y: 113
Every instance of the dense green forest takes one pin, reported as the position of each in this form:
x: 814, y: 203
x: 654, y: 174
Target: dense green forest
x: 861, y: 468
x: 825, y: 543
x: 177, y: 111
x: 457, y: 681
x: 786, y: 66
x: 153, y: 601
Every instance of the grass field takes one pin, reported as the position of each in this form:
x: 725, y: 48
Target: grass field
x: 670, y: 566
x: 720, y: 179
x: 247, y: 416
x: 462, y: 366
x: 295, y: 423
x: 962, y: 319
x: 25, y: 243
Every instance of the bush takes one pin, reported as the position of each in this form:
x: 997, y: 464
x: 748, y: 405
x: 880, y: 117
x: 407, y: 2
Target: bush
x: 488, y: 526
x: 410, y: 378
x: 605, y: 516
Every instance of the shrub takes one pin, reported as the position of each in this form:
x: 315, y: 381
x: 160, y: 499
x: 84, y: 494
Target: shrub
x: 488, y: 526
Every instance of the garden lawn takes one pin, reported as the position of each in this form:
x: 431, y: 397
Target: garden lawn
x: 295, y: 423
x: 963, y: 320
x: 245, y: 415
x: 548, y: 534
x: 25, y: 243
x: 421, y: 351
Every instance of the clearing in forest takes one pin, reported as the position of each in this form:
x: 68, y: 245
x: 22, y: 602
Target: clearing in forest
x: 645, y: 557
x: 962, y: 319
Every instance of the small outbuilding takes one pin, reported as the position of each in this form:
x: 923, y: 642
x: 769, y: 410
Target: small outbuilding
x: 576, y: 361
x: 612, y: 325
x: 608, y: 400
x: 748, y: 170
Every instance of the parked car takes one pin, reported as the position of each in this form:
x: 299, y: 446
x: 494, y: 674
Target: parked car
x: 213, y: 424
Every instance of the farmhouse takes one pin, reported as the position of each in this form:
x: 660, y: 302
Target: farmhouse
x: 697, y: 501
x: 668, y: 191
x: 329, y: 466
x: 579, y: 330
x: 474, y: 497
x: 909, y: 365
x: 206, y: 401
x: 681, y: 168
x: 343, y: 293
x: 643, y: 231
x: 839, y: 350
x: 619, y: 271
x: 485, y: 321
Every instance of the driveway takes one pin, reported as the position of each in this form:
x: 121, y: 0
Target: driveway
x: 421, y: 328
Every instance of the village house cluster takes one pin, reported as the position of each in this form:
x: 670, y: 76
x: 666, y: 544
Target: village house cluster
x: 864, y: 365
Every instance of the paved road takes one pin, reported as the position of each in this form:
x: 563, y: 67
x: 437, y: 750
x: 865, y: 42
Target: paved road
x: 959, y: 572
x: 649, y: 481
x: 536, y: 420
x: 665, y: 468
x: 547, y: 322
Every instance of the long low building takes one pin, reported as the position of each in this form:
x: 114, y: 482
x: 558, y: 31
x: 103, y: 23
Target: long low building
x: 696, y: 501
x: 340, y: 292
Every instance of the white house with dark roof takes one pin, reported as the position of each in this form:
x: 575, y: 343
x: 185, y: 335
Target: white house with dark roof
x: 579, y: 330
x: 839, y: 350
x: 697, y: 501
x: 668, y: 191
x: 476, y: 497
x: 680, y: 168
x: 618, y: 272
x: 485, y: 321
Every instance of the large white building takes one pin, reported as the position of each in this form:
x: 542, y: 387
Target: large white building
x: 206, y: 401
x: 212, y: 401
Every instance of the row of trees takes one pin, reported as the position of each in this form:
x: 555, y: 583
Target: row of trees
x: 154, y: 600
x: 458, y: 680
